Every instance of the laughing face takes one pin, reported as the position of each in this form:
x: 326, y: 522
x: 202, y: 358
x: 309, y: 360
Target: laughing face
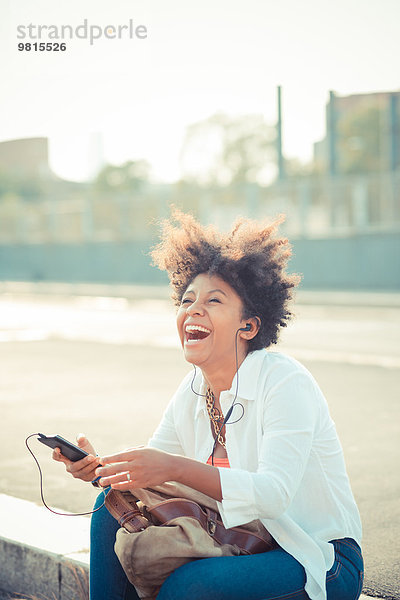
x: 208, y: 318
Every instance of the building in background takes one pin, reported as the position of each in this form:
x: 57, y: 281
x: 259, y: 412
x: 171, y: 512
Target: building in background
x: 27, y: 157
x: 362, y: 134
x: 342, y: 212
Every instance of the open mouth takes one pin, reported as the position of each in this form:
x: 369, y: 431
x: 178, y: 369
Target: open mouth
x: 196, y: 333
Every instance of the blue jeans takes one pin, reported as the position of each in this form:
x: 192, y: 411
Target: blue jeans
x: 275, y: 575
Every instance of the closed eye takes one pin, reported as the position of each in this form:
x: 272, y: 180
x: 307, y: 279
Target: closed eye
x: 187, y: 300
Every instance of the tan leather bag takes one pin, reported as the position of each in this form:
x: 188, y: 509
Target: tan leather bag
x: 170, y: 525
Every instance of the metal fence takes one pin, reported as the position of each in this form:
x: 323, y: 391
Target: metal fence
x: 314, y: 208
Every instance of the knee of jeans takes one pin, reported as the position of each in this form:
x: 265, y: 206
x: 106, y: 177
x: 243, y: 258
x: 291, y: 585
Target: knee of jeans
x: 175, y: 585
x: 167, y: 591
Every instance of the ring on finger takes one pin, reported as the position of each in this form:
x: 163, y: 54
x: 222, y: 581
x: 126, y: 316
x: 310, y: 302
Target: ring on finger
x: 128, y: 476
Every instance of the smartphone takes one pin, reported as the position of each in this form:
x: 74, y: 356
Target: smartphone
x: 68, y: 449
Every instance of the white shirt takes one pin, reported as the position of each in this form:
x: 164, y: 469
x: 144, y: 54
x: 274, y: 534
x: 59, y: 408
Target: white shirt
x: 287, y: 465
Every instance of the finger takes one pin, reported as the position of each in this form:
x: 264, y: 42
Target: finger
x: 126, y: 485
x: 85, y: 471
x: 84, y: 443
x: 119, y: 457
x: 57, y: 455
x: 113, y: 469
x: 89, y: 461
x: 114, y: 479
x: 81, y: 439
x: 88, y: 475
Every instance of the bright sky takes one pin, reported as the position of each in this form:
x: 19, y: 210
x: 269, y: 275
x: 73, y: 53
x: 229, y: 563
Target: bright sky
x: 198, y: 58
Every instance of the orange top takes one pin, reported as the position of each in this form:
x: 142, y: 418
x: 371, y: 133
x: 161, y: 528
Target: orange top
x: 220, y: 462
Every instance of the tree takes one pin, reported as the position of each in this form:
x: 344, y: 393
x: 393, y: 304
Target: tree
x: 28, y: 187
x: 223, y: 150
x: 360, y: 143
x: 128, y: 177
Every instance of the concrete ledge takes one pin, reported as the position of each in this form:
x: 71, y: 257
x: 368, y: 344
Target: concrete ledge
x: 42, y: 554
x: 31, y: 571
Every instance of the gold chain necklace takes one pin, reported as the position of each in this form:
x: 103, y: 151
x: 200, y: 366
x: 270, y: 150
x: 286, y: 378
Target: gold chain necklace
x: 215, y: 417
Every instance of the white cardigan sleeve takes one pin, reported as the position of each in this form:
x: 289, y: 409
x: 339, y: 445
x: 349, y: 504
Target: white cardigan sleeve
x: 289, y: 419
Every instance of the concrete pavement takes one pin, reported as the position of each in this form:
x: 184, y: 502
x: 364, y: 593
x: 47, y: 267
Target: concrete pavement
x: 94, y: 351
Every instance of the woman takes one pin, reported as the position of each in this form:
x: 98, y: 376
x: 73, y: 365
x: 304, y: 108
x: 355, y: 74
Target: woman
x: 250, y: 428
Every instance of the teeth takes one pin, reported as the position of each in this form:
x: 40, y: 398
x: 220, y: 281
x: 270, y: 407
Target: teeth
x: 197, y: 328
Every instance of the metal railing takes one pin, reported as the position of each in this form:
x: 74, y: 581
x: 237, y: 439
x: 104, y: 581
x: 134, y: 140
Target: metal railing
x: 314, y: 207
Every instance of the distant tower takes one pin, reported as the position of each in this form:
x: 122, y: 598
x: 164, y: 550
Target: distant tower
x: 281, y: 164
x: 95, y: 152
x: 331, y: 122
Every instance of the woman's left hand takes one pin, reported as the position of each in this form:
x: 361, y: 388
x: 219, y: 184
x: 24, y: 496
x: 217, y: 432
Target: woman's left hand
x: 136, y: 468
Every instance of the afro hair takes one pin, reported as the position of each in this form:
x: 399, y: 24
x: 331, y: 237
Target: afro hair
x: 250, y: 258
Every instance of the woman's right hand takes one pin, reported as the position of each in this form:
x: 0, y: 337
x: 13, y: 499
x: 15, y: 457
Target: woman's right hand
x: 81, y: 469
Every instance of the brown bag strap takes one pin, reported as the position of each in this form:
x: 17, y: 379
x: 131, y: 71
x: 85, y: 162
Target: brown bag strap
x: 248, y: 542
x: 123, y: 507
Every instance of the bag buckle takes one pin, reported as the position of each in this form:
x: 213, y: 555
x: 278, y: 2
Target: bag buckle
x: 212, y: 527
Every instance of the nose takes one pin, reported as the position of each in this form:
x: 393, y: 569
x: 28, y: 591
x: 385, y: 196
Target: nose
x: 195, y: 308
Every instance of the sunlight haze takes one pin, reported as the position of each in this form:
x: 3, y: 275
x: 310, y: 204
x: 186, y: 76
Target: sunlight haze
x: 138, y: 96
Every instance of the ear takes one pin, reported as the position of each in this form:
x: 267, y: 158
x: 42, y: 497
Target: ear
x: 255, y: 324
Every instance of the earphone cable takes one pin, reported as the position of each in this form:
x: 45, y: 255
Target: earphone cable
x: 192, y: 382
x: 228, y: 414
x: 41, y: 488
